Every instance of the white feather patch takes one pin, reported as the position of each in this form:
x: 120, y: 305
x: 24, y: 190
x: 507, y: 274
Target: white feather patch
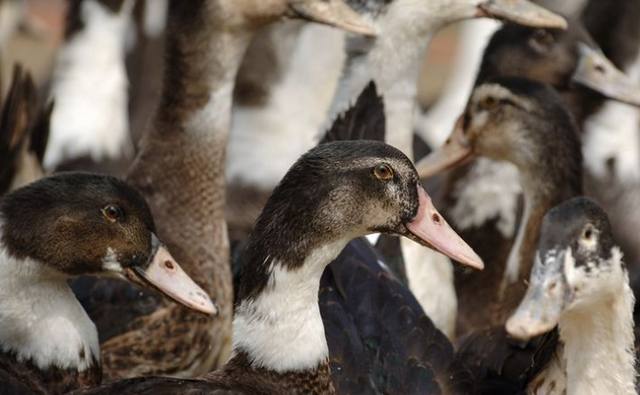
x: 266, y: 141
x: 90, y: 85
x: 489, y: 191
x: 613, y: 133
x: 430, y: 277
x: 282, y: 329
x: 41, y: 319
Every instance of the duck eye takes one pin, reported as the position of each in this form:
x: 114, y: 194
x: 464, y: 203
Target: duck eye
x: 489, y: 102
x: 588, y: 234
x: 383, y: 172
x: 541, y: 40
x: 112, y: 212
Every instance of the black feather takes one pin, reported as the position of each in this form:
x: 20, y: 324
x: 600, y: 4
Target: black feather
x: 15, y: 121
x: 365, y: 120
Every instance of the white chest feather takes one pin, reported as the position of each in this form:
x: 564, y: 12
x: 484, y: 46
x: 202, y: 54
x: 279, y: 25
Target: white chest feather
x: 290, y: 123
x: 611, y: 134
x: 489, y: 191
x: 90, y: 89
x: 281, y: 329
x: 41, y: 320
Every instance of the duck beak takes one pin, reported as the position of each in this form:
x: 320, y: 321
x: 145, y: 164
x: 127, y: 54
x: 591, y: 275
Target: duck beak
x: 331, y: 12
x: 522, y: 12
x: 545, y: 300
x: 431, y: 230
x: 164, y: 274
x: 455, y: 151
x: 596, y: 72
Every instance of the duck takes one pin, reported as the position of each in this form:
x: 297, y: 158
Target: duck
x: 94, y: 84
x: 404, y: 32
x: 579, y: 283
x: 488, y: 192
x: 322, y: 203
x: 525, y: 123
x: 23, y: 133
x: 403, y: 29
x: 87, y: 224
x: 179, y: 169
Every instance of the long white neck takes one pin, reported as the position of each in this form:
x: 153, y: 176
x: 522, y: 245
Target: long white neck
x: 394, y: 66
x: 393, y: 62
x: 281, y: 329
x: 599, y: 344
x: 41, y: 321
x: 289, y: 123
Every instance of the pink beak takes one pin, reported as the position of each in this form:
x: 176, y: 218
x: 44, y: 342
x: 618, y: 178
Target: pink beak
x: 431, y: 228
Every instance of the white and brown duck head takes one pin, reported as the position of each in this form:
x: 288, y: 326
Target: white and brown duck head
x: 526, y: 124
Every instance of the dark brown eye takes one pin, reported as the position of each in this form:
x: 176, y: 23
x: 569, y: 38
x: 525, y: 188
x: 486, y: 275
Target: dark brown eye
x: 541, y: 40
x: 112, y: 212
x: 383, y: 172
x: 489, y: 102
x: 588, y: 234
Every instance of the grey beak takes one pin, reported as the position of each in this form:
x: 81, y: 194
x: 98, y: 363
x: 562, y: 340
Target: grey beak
x: 596, y: 72
x: 522, y: 12
x: 543, y: 304
x: 331, y: 12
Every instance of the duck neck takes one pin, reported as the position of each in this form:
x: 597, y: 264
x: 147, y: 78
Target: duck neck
x: 42, y: 325
x: 393, y: 61
x: 277, y: 322
x: 180, y: 166
x: 544, y: 187
x: 396, y: 81
x: 599, y: 344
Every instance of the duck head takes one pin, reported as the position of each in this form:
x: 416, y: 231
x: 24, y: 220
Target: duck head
x: 560, y: 58
x: 577, y: 264
x: 85, y: 224
x: 343, y: 190
x: 510, y: 119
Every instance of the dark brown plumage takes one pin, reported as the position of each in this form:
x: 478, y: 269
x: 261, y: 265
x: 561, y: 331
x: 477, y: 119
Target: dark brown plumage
x: 24, y: 129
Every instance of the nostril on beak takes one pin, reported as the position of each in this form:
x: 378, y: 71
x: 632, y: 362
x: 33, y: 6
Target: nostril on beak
x: 169, y: 265
x: 600, y: 69
x: 436, y: 218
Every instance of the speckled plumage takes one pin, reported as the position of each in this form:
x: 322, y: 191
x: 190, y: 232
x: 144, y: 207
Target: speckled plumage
x: 20, y: 377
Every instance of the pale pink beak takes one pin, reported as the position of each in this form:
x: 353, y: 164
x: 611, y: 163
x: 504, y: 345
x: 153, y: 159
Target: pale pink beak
x: 165, y: 275
x: 431, y: 228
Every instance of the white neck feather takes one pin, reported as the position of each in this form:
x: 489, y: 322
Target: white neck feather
x: 289, y: 123
x: 599, y: 341
x: 281, y: 329
x: 40, y: 318
x: 612, y: 133
x: 490, y: 190
x: 393, y: 61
